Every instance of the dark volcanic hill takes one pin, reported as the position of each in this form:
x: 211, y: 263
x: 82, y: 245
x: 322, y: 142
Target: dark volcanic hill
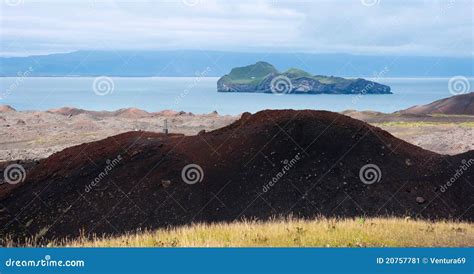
x: 312, y: 158
x: 460, y: 104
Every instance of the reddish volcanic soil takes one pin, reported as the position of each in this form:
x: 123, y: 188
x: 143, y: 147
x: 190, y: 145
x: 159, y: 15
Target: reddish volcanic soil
x: 313, y: 158
x: 460, y: 104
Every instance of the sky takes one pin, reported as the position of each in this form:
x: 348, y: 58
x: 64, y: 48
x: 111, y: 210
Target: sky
x: 367, y: 27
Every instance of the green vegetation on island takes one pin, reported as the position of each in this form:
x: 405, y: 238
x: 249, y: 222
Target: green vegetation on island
x: 264, y: 77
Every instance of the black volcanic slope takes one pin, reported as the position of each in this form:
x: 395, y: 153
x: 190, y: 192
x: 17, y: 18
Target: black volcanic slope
x: 313, y: 158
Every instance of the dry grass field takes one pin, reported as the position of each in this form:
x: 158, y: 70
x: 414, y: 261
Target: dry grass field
x: 371, y: 232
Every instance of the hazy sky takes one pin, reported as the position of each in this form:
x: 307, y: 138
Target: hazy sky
x: 387, y: 27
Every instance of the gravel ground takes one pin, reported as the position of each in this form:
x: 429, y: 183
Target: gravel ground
x: 34, y: 135
x: 445, y: 139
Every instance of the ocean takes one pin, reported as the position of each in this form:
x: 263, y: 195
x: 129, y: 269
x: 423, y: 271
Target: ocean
x: 199, y: 95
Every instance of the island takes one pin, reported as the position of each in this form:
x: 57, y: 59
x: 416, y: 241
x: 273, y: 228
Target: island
x: 263, y: 77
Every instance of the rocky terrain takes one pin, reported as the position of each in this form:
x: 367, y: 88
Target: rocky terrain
x: 33, y: 135
x: 445, y: 134
x: 263, y: 77
x: 272, y: 163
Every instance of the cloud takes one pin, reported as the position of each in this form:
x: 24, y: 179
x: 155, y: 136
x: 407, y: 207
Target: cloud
x: 441, y: 28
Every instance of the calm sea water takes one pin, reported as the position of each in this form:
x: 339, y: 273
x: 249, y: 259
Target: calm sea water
x: 199, y: 95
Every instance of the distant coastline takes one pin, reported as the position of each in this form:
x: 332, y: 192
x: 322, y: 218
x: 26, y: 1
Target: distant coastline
x: 182, y: 93
x: 190, y: 62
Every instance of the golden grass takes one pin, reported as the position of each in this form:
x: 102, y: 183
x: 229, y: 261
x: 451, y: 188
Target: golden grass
x: 371, y: 232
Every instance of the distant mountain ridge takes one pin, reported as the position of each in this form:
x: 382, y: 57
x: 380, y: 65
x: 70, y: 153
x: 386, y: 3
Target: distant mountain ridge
x: 265, y: 78
x: 217, y: 63
x: 455, y: 105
